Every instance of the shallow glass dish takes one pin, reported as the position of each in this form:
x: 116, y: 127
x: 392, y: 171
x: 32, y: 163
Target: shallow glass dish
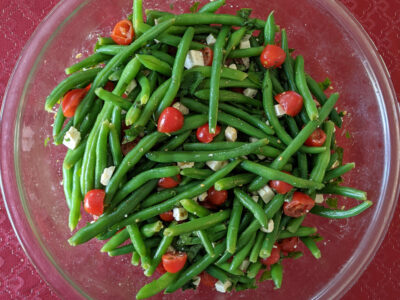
x: 333, y: 45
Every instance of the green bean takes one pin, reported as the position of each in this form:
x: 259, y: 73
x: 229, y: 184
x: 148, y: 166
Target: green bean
x: 247, y: 117
x: 139, y: 245
x: 277, y: 274
x: 158, y: 197
x: 107, y: 220
x: 179, y: 30
x: 118, y: 59
x: 67, y: 185
x: 205, y: 240
x: 270, y: 29
x: 249, y: 52
x: 68, y: 84
x: 205, y: 19
x: 228, y: 96
x: 163, y: 57
x: 272, y: 174
x: 321, y: 97
x: 101, y: 40
x: 311, y: 245
x: 89, y: 162
x: 151, y: 229
x: 76, y: 198
x: 187, y: 194
x: 234, y: 40
x: 161, y: 250
x: 203, y: 156
x: 157, y: 285
x: 194, y: 208
x: 110, y: 49
x: 228, y: 183
x: 177, y: 71
x: 215, y: 78
x: 233, y: 228
x: 212, y: 6
x: 196, y: 173
x: 294, y: 224
x: 302, y: 231
x: 129, y: 249
x: 344, y: 191
x: 58, y: 121
x: 145, y: 89
x: 90, y: 61
x: 241, y: 255
x: 115, y: 241
x: 255, y: 251
x: 101, y: 153
x: 137, y: 18
x: 135, y: 260
x: 174, y: 41
x: 116, y: 75
x: 288, y: 63
x: 90, y: 119
x: 114, y: 99
x: 115, y: 145
x: 217, y: 273
x: 196, y: 268
x: 339, y: 171
x: 128, y: 74
x: 58, y: 139
x: 116, y: 123
x: 198, y: 224
x: 271, y: 237
x: 226, y: 73
x: 140, y: 179
x: 301, y: 84
x: 191, y: 122
x: 341, y: 214
x: 253, y: 270
x: 154, y: 64
x: 230, y: 83
x: 252, y: 206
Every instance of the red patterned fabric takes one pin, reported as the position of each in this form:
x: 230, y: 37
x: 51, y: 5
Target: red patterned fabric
x: 19, y: 279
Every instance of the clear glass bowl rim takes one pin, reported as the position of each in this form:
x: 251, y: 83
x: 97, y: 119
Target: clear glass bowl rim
x: 29, y: 238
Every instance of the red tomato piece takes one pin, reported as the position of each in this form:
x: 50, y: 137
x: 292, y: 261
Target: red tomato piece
x: 207, y: 204
x: 127, y: 147
x: 203, y: 133
x: 291, y: 102
x: 300, y: 205
x: 316, y: 139
x: 216, y: 197
x: 109, y: 86
x: 272, y: 56
x: 169, y: 182
x: 123, y: 32
x: 170, y: 120
x: 207, y: 280
x: 279, y: 186
x: 71, y: 101
x: 173, y: 262
x: 273, y: 258
x: 94, y: 202
x: 289, y: 244
x: 208, y: 56
x: 168, y: 216
x: 160, y: 269
x: 237, y: 90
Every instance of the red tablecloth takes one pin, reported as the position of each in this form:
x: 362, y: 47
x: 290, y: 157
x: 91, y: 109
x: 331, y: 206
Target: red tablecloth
x: 19, y: 18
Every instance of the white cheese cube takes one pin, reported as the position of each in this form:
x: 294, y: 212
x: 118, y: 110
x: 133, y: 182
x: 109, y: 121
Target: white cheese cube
x: 319, y: 198
x: 244, y: 265
x: 233, y: 66
x: 261, y: 157
x: 180, y: 214
x: 196, y: 281
x: 255, y: 198
x: 210, y: 39
x: 246, y: 37
x: 106, y: 175
x: 157, y: 41
x: 72, y: 138
x: 202, y: 196
x: 131, y: 86
x: 184, y: 165
x: 266, y: 193
x: 335, y: 164
x: 249, y: 92
x: 253, y: 139
x: 182, y: 108
x: 270, y: 227
x: 171, y: 249
x: 230, y: 134
x: 246, y: 62
x: 194, y: 58
x: 279, y: 111
x: 244, y: 44
x: 216, y: 165
x: 222, y: 287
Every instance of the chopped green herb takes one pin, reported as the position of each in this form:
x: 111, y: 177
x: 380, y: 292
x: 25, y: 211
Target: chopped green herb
x: 195, y: 7
x: 46, y: 141
x: 348, y: 135
x: 332, y: 202
x: 325, y: 84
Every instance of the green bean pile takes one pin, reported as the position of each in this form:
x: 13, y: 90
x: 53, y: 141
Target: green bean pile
x: 267, y: 148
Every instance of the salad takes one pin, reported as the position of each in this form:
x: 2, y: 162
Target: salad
x: 199, y: 144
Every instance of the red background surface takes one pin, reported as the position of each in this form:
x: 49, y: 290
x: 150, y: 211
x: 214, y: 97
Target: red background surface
x: 19, y: 18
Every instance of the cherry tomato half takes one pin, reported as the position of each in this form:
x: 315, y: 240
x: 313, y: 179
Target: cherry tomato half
x: 127, y: 147
x: 272, y: 56
x: 170, y: 120
x: 173, y: 262
x: 168, y: 216
x: 273, y: 258
x: 216, y: 197
x: 316, y: 139
x: 169, y: 182
x: 160, y: 269
x: 123, y: 32
x: 203, y: 133
x: 208, y: 56
x: 71, y: 101
x: 94, y: 202
x: 207, y: 280
x: 300, y: 205
x: 289, y: 244
x: 291, y: 102
x: 280, y: 187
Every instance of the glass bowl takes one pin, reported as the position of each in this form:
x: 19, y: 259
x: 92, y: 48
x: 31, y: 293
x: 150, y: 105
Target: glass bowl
x: 333, y: 45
